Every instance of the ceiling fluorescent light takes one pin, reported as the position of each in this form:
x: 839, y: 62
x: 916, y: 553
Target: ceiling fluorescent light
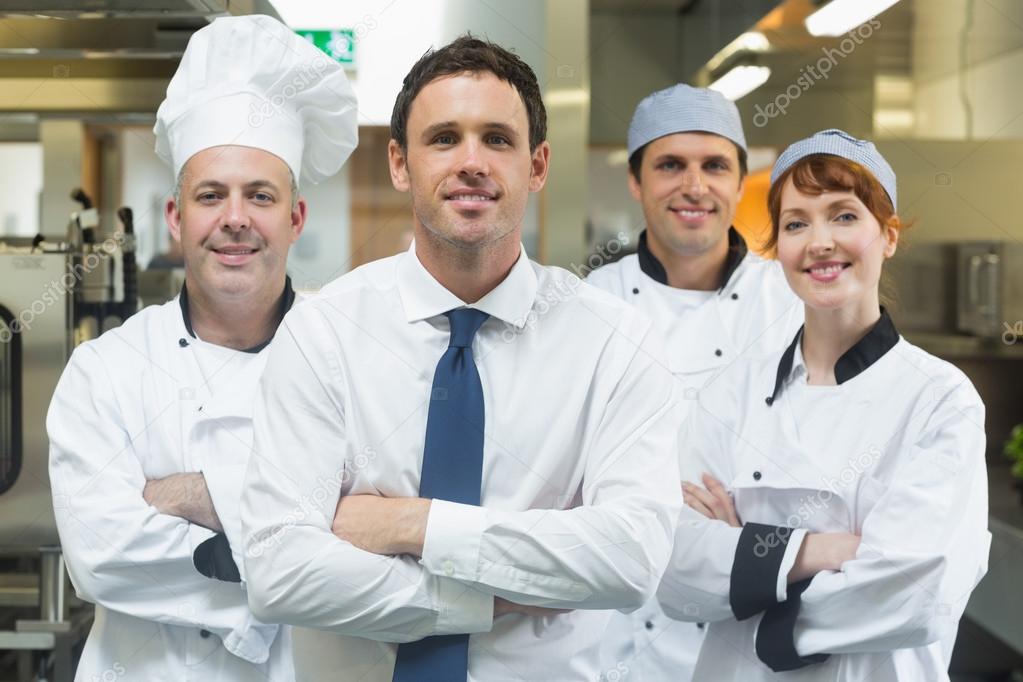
x: 751, y: 41
x: 741, y: 81
x: 842, y: 16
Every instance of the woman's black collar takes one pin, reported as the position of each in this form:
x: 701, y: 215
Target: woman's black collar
x: 864, y: 353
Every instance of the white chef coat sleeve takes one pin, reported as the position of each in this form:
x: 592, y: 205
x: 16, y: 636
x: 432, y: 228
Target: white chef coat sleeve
x: 120, y: 552
x: 610, y: 552
x: 297, y: 571
x: 718, y: 572
x: 220, y: 557
x: 924, y: 548
x: 227, y: 442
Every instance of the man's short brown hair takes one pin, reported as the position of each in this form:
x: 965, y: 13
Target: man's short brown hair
x: 471, y: 55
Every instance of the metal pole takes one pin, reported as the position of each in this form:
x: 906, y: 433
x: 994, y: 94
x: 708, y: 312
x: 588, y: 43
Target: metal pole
x: 51, y: 585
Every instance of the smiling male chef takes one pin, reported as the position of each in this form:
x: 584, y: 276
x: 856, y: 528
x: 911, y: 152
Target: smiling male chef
x: 150, y: 426
x: 710, y: 298
x: 505, y: 464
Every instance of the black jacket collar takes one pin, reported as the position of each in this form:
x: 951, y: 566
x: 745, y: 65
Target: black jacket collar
x: 653, y: 269
x: 286, y: 302
x: 864, y: 353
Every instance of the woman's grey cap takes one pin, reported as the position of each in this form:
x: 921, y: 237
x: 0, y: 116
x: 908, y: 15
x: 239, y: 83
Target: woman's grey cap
x: 839, y: 143
x: 684, y: 109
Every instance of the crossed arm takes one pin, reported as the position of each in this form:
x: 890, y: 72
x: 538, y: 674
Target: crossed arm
x: 395, y: 526
x: 818, y: 551
x: 184, y: 496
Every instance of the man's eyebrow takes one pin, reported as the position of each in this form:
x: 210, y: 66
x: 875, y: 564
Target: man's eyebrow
x: 432, y: 130
x: 216, y: 184
x: 210, y: 183
x: 660, y: 158
x: 443, y: 126
x: 503, y: 128
x: 261, y: 183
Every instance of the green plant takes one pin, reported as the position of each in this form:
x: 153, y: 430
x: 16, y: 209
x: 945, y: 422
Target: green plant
x: 1014, y: 451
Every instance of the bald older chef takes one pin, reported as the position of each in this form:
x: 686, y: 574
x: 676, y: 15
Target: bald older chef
x: 711, y: 298
x: 150, y: 426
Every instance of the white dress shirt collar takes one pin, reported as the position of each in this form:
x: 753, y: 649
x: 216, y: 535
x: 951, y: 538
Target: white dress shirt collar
x: 423, y: 297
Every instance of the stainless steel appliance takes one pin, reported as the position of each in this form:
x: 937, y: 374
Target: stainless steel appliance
x: 35, y: 341
x: 53, y: 295
x: 920, y: 288
x: 990, y: 298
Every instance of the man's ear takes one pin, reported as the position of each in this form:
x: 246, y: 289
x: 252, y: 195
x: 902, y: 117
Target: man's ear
x: 398, y: 165
x: 540, y: 163
x: 634, y: 189
x: 172, y: 215
x: 298, y: 218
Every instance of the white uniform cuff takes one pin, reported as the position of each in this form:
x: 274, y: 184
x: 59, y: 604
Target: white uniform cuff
x: 788, y: 560
x: 197, y: 535
x: 462, y: 609
x: 451, y: 548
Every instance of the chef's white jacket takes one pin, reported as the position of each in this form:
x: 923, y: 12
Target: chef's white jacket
x: 894, y: 453
x: 579, y: 488
x: 753, y: 312
x: 144, y: 401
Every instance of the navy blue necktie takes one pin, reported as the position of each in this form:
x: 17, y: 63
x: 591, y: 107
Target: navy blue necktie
x: 452, y: 470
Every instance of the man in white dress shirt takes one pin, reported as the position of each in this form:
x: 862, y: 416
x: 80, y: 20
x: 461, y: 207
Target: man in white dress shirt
x: 711, y: 298
x: 151, y: 424
x: 501, y: 435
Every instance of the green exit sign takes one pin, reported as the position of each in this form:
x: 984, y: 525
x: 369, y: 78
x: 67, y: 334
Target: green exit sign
x: 339, y: 44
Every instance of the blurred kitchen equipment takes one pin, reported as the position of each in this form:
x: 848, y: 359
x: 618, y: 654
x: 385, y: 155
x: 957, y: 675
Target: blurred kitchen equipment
x: 53, y: 295
x: 990, y: 299
x: 923, y: 277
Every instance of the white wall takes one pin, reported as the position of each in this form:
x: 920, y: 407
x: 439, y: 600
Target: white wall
x: 146, y: 184
x: 21, y: 188
x: 958, y: 191
x: 323, y: 250
x: 62, y: 172
x: 989, y: 81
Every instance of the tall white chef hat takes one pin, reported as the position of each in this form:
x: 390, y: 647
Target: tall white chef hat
x: 251, y: 81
